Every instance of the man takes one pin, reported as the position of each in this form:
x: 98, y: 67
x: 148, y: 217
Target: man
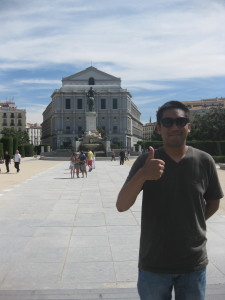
x: 17, y: 160
x: 89, y: 159
x: 180, y: 192
x: 7, y: 159
x: 122, y: 157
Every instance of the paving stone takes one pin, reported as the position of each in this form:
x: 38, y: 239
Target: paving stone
x: 67, y: 240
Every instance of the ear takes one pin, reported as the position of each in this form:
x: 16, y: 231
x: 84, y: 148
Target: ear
x: 189, y: 127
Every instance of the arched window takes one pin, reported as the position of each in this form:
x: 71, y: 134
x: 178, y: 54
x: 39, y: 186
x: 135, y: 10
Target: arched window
x: 91, y: 81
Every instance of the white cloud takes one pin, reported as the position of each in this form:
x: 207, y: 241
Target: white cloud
x: 142, y: 42
x: 161, y: 41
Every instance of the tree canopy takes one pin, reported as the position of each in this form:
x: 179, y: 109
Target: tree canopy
x: 209, y: 126
x: 22, y: 136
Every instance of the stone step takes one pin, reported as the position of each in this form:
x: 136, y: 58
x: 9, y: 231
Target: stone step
x: 214, y: 292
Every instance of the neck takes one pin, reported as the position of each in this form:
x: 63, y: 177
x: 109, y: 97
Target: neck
x: 176, y: 153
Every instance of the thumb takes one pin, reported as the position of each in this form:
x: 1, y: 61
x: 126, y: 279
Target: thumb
x: 151, y: 152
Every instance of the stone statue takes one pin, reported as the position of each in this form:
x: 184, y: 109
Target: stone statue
x: 90, y: 99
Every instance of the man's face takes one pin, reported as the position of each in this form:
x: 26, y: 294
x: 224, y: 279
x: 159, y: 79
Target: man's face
x: 174, y: 136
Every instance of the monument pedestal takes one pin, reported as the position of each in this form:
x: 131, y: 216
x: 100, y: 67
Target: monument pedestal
x: 91, y: 121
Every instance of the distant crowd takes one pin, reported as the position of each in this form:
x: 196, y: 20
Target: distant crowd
x: 81, y: 163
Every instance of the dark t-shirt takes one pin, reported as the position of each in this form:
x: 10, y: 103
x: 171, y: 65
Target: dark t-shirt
x: 82, y: 159
x: 122, y: 154
x: 7, y: 158
x: 173, y: 228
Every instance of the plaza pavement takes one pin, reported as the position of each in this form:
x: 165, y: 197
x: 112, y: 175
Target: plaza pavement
x: 63, y: 238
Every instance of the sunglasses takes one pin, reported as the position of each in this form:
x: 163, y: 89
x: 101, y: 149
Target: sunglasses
x: 180, y: 122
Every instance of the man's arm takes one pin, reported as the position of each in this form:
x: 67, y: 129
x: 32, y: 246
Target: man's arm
x: 129, y: 192
x: 211, y: 207
x: 151, y: 170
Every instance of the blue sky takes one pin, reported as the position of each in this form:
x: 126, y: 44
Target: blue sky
x: 161, y: 49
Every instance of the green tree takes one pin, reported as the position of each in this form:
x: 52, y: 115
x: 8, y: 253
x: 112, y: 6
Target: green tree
x: 22, y: 136
x: 8, y: 144
x: 1, y: 151
x: 209, y: 126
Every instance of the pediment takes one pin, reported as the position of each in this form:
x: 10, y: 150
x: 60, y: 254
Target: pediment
x: 83, y: 77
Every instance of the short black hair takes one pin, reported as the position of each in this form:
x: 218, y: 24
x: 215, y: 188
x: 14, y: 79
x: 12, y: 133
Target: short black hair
x: 171, y: 105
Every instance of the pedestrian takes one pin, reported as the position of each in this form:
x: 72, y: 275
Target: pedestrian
x: 17, y: 160
x: 82, y: 159
x: 1, y: 162
x: 181, y: 191
x: 7, y: 160
x: 77, y: 164
x: 72, y: 165
x: 93, y: 160
x: 122, y: 157
x: 113, y: 156
x: 89, y: 160
x: 128, y: 155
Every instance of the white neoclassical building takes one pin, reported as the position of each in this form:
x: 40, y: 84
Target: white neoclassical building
x: 34, y: 133
x: 65, y: 118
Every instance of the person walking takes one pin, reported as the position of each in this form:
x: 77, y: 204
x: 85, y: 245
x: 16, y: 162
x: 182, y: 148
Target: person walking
x: 17, y: 160
x: 72, y: 165
x: 122, y: 157
x: 7, y: 160
x: 77, y: 164
x: 181, y: 191
x: 89, y: 159
x: 113, y: 156
x: 1, y: 162
x: 93, y: 160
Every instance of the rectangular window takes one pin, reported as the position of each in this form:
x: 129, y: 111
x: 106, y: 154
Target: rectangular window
x: 115, y: 128
x: 12, y: 115
x: 12, y: 123
x: 115, y: 103
x: 19, y: 123
x: 103, y: 104
x: 4, y: 115
x: 79, y: 103
x: 67, y: 103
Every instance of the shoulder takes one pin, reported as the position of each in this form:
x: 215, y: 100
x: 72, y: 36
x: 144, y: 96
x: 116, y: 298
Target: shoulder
x: 203, y: 159
x: 200, y: 155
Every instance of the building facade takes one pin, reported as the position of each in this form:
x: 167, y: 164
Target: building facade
x: 148, y: 130
x: 11, y: 116
x: 34, y: 133
x: 64, y: 119
x: 202, y: 106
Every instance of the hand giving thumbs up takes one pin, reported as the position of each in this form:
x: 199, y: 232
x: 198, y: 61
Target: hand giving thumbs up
x: 153, y: 168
